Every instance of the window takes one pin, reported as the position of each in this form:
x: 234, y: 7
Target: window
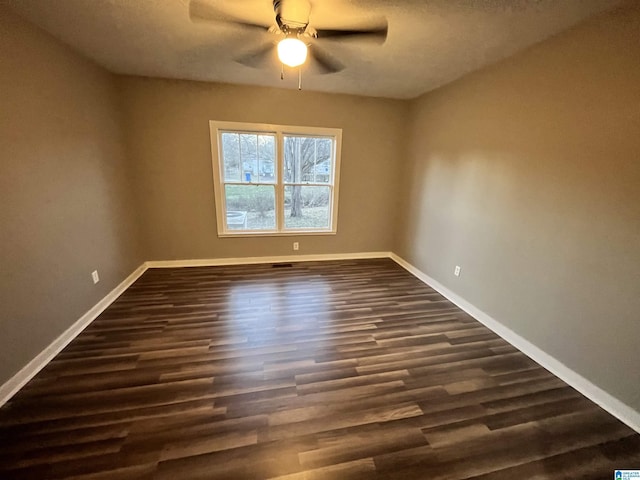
x: 275, y: 180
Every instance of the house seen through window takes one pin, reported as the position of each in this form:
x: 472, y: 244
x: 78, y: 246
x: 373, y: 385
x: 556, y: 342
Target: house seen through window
x: 275, y: 179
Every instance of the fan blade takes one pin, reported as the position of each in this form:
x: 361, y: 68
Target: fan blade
x: 203, y: 11
x: 259, y: 58
x: 377, y: 35
x: 325, y: 62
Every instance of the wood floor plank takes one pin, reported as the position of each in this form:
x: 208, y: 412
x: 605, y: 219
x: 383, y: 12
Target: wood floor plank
x: 321, y: 370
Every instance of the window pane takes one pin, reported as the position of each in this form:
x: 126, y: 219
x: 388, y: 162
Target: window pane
x: 324, y: 160
x: 267, y: 158
x: 250, y: 207
x: 249, y: 156
x: 231, y: 156
x: 306, y: 207
x: 291, y: 145
x: 307, y: 159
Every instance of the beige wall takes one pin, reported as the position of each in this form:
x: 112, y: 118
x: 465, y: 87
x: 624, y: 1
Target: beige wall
x: 168, y: 132
x: 66, y: 207
x: 527, y: 174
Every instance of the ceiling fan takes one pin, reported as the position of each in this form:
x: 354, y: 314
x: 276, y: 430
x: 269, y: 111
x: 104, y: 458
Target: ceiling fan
x: 295, y: 38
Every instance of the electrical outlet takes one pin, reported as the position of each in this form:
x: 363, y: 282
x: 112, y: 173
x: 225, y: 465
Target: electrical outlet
x: 456, y: 271
x: 95, y: 276
x: 296, y: 246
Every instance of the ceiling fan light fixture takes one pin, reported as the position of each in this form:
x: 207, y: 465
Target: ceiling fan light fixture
x: 292, y: 52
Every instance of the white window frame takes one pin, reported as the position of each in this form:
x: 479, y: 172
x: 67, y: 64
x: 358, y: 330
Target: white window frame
x: 280, y: 131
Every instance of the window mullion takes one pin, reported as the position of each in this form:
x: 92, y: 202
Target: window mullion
x: 241, y: 165
x: 279, y: 186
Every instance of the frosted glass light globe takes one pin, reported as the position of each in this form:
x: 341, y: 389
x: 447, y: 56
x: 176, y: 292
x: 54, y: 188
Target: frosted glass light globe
x: 292, y: 52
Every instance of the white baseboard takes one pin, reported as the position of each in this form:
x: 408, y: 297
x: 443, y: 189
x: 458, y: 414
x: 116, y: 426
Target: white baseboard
x: 615, y: 407
x: 15, y: 383
x: 215, y: 262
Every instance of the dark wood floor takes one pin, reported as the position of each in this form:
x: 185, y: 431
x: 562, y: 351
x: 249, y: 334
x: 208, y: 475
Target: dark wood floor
x: 334, y: 370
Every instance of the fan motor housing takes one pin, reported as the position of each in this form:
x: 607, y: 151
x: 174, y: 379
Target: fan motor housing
x: 292, y: 15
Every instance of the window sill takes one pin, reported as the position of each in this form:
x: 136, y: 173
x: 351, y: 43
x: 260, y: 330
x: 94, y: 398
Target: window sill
x: 277, y: 234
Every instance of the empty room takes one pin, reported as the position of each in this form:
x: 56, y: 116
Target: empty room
x: 319, y: 240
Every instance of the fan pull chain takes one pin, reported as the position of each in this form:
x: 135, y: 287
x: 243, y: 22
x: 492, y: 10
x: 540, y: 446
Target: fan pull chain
x: 299, y: 76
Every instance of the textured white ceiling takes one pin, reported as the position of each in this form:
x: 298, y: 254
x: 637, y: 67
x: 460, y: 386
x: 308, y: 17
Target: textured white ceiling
x: 430, y: 42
